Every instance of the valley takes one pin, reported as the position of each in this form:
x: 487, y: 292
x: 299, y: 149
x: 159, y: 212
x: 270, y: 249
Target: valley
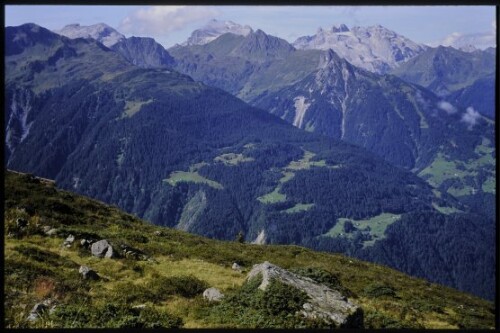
x: 240, y: 147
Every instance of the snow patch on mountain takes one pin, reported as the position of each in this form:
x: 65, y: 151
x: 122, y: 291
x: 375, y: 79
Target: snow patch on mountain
x: 374, y: 48
x: 101, y: 32
x: 214, y: 29
x: 301, y: 107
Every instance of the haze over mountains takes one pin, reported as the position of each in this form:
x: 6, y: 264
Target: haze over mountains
x: 158, y: 133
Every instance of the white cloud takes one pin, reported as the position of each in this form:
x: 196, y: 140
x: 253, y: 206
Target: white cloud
x: 447, y: 107
x: 481, y: 40
x: 470, y: 117
x: 159, y: 20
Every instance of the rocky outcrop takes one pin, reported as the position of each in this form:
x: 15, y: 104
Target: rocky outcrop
x: 213, y: 295
x: 324, y: 303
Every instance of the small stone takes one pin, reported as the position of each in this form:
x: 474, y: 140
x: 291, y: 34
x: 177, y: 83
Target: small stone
x: 35, y: 312
x: 51, y: 232
x: 158, y: 233
x: 213, y: 295
x: 308, y: 307
x: 69, y: 240
x: 140, y: 306
x: 237, y: 267
x: 88, y: 274
x: 46, y: 228
x: 33, y: 316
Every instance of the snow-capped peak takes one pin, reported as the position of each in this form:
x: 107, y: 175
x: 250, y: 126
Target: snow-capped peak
x: 374, y: 48
x: 214, y: 29
x: 101, y: 32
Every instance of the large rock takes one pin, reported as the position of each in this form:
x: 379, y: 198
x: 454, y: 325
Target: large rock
x: 102, y: 249
x: 213, y: 295
x: 324, y: 303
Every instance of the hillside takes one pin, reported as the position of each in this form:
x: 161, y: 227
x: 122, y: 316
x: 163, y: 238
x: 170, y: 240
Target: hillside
x: 182, y: 154
x: 160, y: 281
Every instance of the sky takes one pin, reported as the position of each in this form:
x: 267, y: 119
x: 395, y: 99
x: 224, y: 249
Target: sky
x: 169, y: 25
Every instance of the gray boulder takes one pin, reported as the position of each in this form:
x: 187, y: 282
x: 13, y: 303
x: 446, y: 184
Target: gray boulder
x: 213, y: 295
x: 102, y: 249
x: 324, y: 303
x: 88, y: 274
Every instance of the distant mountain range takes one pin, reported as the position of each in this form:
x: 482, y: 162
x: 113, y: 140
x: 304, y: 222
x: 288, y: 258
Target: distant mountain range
x: 184, y: 154
x: 320, y: 91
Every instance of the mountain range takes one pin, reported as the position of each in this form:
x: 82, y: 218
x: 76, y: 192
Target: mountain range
x: 320, y: 91
x: 187, y: 154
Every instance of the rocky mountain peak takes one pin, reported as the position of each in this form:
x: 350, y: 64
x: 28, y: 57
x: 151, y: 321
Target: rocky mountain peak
x: 101, y: 32
x: 144, y: 52
x: 340, y: 28
x: 215, y: 28
x: 374, y: 48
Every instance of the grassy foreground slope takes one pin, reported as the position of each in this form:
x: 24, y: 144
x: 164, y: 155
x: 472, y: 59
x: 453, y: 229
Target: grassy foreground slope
x: 176, y: 267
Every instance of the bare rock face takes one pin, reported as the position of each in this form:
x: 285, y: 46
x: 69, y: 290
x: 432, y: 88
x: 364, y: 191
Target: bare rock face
x: 324, y: 303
